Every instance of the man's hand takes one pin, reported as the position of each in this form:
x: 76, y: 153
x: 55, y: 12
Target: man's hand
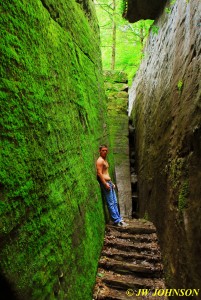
x: 107, y: 186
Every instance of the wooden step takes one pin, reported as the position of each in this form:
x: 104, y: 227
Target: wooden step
x: 124, y: 255
x: 144, y: 270
x: 133, y: 228
x: 128, y: 281
x: 130, y: 263
x: 151, y: 248
x: 142, y: 238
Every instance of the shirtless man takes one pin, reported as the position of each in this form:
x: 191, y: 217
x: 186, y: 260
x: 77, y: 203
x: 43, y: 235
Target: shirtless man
x: 108, y: 186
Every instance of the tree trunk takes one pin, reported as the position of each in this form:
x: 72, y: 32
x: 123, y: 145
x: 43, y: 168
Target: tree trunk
x: 113, y: 36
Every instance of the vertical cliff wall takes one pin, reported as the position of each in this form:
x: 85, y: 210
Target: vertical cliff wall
x: 52, y: 121
x: 116, y: 87
x: 165, y: 107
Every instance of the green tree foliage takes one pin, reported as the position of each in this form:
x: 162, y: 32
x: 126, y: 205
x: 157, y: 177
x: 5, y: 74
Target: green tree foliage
x: 130, y: 38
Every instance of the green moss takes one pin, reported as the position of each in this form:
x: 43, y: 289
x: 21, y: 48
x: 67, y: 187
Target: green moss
x: 169, y: 9
x: 146, y: 216
x: 183, y: 196
x: 180, y: 85
x: 124, y: 6
x: 115, y: 76
x: 177, y: 171
x: 52, y: 116
x: 155, y: 29
x: 117, y: 101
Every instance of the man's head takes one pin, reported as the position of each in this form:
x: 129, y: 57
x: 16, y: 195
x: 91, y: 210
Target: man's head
x: 103, y: 151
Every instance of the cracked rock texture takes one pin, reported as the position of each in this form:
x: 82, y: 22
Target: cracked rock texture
x: 165, y: 107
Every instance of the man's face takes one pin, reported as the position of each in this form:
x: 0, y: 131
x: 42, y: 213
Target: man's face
x: 103, y: 152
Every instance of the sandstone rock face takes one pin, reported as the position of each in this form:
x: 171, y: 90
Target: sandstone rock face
x: 165, y: 108
x: 117, y: 93
x: 52, y: 121
x: 143, y: 9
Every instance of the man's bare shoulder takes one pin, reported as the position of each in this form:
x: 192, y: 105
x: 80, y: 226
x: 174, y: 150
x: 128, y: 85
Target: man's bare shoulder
x: 100, y: 161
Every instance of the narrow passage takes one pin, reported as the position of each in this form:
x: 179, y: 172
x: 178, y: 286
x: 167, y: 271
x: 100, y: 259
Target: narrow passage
x: 130, y: 261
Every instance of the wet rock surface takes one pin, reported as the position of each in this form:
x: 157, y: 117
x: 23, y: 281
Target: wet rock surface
x: 130, y: 261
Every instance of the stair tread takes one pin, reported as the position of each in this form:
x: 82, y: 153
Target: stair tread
x: 142, y: 238
x: 130, y: 260
x: 112, y: 279
x: 120, y: 254
x: 127, y: 244
x: 123, y: 266
x: 133, y: 229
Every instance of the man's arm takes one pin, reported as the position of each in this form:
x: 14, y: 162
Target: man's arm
x: 99, y: 167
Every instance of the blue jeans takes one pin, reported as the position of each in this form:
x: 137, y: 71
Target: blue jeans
x: 111, y: 200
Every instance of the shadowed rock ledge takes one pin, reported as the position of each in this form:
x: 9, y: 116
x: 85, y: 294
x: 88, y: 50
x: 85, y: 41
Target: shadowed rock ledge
x: 143, y: 9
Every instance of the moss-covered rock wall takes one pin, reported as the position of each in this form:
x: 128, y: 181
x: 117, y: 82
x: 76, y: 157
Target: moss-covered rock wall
x: 52, y: 121
x: 166, y: 97
x: 116, y: 87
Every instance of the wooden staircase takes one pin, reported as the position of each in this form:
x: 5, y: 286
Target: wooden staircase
x: 130, y: 264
